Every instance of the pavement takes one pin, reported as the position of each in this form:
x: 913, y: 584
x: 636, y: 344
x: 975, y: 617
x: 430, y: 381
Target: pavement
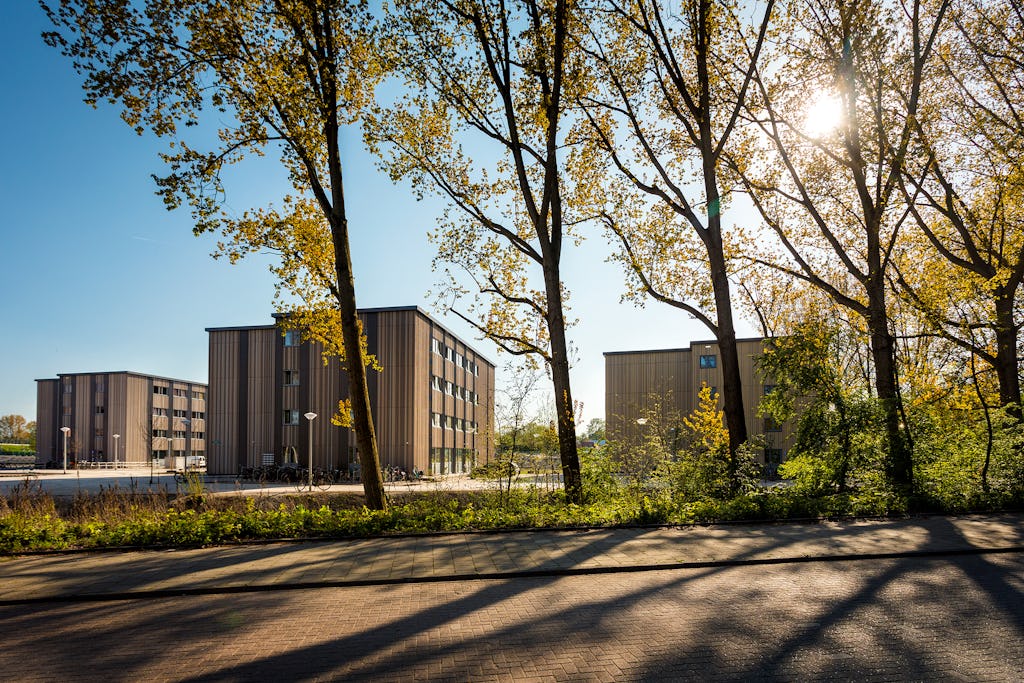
x: 432, y: 558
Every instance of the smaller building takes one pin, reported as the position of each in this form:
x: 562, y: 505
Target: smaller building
x: 635, y: 380
x: 124, y: 415
x: 432, y: 402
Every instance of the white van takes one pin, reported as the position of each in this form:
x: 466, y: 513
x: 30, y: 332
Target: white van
x: 195, y: 462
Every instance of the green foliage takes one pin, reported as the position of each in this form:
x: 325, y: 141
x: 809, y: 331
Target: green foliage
x: 16, y: 449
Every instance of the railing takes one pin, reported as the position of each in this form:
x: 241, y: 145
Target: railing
x: 119, y: 465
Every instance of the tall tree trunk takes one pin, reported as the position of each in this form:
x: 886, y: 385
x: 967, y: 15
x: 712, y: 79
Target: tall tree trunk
x: 1007, y: 369
x: 732, y: 386
x: 355, y: 368
x: 899, y: 466
x: 566, y: 417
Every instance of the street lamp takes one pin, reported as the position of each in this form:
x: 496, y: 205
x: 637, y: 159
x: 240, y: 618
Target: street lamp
x: 188, y: 442
x: 66, y: 430
x: 310, y: 416
x: 117, y: 438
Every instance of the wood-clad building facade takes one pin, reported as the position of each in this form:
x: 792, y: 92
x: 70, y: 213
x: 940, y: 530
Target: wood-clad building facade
x: 432, y: 403
x: 637, y: 380
x: 153, y: 417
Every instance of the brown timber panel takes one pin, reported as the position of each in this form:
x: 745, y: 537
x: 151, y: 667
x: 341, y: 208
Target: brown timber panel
x: 132, y: 396
x: 47, y: 420
x: 261, y: 386
x: 223, y: 407
x: 632, y: 379
x: 396, y: 386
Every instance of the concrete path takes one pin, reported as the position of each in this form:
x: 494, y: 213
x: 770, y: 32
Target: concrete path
x: 459, y: 557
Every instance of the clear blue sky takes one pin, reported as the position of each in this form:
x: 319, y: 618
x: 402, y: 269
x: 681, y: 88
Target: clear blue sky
x: 96, y: 275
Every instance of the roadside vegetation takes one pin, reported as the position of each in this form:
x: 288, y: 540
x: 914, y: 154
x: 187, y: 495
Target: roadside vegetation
x: 654, y: 482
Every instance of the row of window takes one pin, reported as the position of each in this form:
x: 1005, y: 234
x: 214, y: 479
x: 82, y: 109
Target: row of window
x: 178, y: 434
x: 181, y: 393
x: 455, y: 423
x: 176, y: 453
x: 291, y: 417
x: 451, y: 460
x: 467, y: 395
x: 195, y: 414
x: 438, y: 347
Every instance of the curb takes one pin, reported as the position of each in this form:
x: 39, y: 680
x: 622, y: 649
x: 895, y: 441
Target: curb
x: 493, y: 576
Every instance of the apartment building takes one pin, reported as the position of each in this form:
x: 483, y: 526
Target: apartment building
x: 127, y: 415
x: 636, y: 380
x: 432, y: 403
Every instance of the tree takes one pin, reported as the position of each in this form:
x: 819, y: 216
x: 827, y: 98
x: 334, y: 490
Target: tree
x: 510, y: 410
x: 838, y: 117
x: 495, y: 76
x: 284, y: 75
x: 966, y: 194
x: 595, y: 429
x: 675, y: 103
x: 16, y: 428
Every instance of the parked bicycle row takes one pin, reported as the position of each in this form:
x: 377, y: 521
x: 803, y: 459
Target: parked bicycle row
x: 290, y: 473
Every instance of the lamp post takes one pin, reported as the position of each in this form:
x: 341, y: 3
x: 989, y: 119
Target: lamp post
x: 310, y: 416
x: 187, y: 423
x: 117, y: 438
x: 66, y: 430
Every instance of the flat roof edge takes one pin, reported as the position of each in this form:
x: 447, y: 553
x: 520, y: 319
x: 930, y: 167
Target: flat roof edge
x: 687, y: 349
x: 121, y: 372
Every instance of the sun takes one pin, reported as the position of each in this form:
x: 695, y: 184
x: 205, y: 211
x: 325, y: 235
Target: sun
x: 823, y: 115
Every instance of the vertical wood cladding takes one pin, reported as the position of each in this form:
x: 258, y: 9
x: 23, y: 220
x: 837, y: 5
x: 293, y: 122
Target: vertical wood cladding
x: 96, y: 406
x: 676, y: 376
x: 48, y: 423
x: 401, y: 397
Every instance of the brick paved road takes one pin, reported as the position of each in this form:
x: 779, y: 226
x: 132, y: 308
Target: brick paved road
x: 955, y: 618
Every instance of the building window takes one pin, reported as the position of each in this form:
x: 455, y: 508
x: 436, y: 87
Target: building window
x: 198, y: 435
x: 768, y: 388
x: 162, y: 391
x: 435, y: 419
x: 180, y: 413
x: 291, y: 417
x: 161, y: 433
x: 179, y: 433
x: 67, y: 410
x: 771, y: 425
x: 459, y: 360
x: 708, y: 361
x: 449, y: 388
x: 436, y: 346
x: 100, y: 387
x: 291, y: 378
x: 198, y: 415
x: 68, y: 388
x: 159, y: 412
x: 449, y: 353
x: 292, y: 338
x: 180, y: 392
x: 435, y: 383
x: 100, y: 410
x: 201, y: 395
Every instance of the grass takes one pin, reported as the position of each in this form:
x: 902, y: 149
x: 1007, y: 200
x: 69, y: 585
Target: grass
x: 32, y: 520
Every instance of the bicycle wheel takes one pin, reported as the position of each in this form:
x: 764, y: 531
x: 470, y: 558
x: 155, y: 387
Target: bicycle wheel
x: 322, y: 480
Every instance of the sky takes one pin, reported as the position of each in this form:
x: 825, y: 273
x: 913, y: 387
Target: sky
x: 99, y: 276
